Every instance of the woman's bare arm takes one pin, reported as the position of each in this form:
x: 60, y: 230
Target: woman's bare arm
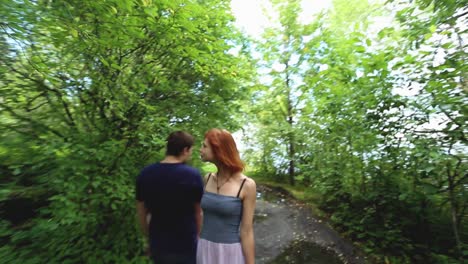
x: 246, y: 229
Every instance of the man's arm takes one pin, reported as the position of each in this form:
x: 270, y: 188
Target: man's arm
x: 198, y: 210
x: 142, y: 213
x: 198, y: 218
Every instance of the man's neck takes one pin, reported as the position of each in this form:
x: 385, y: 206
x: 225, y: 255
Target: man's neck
x: 172, y: 159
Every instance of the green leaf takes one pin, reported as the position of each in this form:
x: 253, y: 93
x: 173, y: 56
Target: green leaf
x: 368, y: 42
x: 115, y: 66
x: 74, y: 32
x: 104, y: 61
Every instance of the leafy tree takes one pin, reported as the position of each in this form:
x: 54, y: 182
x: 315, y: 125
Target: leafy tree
x: 279, y: 108
x: 378, y: 123
x: 436, y: 43
x: 90, y: 90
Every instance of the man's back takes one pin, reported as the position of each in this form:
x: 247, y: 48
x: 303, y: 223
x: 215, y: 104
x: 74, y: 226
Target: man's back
x: 170, y: 192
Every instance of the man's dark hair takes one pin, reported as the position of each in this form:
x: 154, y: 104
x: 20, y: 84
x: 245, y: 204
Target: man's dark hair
x: 177, y: 141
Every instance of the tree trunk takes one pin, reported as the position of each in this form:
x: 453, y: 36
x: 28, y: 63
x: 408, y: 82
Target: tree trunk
x: 454, y: 206
x: 291, y: 160
x: 291, y: 148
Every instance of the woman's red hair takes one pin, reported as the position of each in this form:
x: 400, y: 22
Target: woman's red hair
x: 224, y: 149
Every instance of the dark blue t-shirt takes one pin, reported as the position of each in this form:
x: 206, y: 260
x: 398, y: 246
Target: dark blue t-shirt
x: 170, y: 191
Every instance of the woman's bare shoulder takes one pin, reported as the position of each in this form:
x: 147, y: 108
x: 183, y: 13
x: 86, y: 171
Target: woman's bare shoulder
x: 249, y: 183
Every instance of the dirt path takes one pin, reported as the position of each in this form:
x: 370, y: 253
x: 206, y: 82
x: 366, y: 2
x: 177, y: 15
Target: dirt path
x: 282, y: 222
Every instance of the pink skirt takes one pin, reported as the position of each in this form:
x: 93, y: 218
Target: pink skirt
x: 218, y: 253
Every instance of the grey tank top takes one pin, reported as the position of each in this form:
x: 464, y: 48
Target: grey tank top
x: 221, y: 217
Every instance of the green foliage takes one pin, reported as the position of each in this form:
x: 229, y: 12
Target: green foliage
x: 380, y: 133
x: 370, y: 123
x: 89, y: 91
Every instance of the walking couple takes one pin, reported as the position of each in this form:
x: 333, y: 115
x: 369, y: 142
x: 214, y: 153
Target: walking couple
x: 189, y: 220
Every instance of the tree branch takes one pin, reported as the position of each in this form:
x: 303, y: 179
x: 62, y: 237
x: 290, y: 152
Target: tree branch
x: 34, y: 122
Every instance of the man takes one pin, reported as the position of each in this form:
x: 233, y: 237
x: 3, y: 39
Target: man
x: 168, y: 193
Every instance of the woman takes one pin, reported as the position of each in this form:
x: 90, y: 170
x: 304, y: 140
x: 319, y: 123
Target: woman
x: 228, y: 205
